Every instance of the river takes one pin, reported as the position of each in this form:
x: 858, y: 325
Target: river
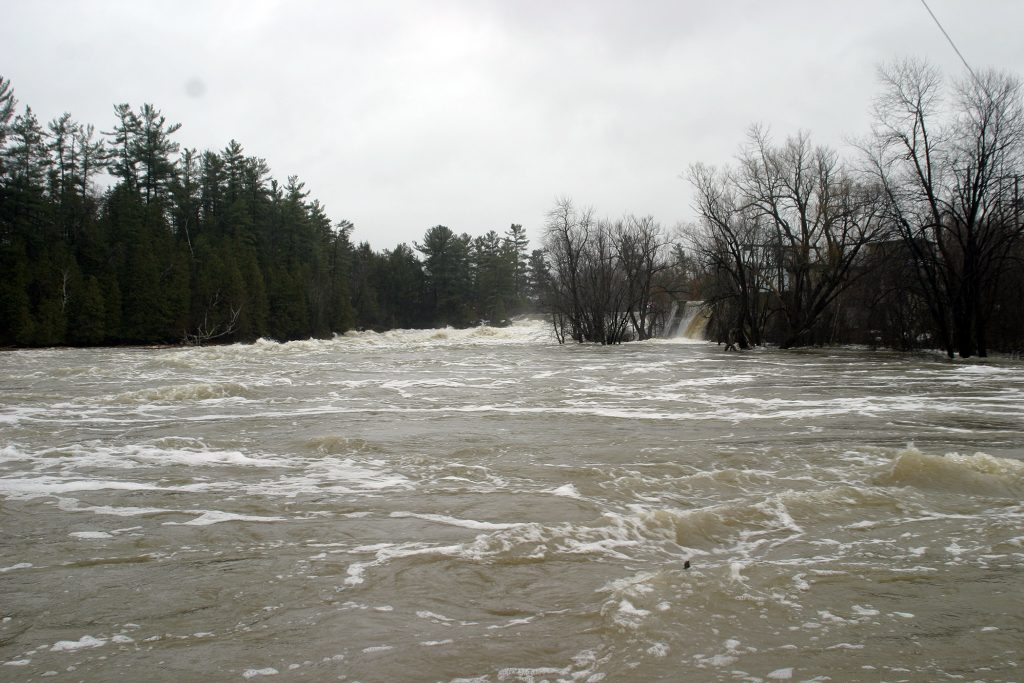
x: 486, y: 505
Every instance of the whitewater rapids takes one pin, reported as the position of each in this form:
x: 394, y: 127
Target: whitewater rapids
x: 486, y: 505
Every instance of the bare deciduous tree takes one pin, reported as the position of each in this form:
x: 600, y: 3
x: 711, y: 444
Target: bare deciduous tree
x: 735, y: 251
x: 952, y: 179
x: 819, y: 218
x: 219, y: 320
x: 642, y: 250
x: 783, y: 232
x: 603, y: 285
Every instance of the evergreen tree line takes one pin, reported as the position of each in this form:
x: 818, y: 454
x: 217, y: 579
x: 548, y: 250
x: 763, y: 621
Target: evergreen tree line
x: 457, y: 280
x: 917, y: 242
x: 189, y: 246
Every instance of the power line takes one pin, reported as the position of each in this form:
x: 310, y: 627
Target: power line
x: 951, y: 43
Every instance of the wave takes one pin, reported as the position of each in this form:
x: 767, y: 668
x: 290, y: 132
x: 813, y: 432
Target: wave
x: 705, y: 531
x: 35, y: 487
x: 334, y: 445
x: 184, y: 393
x: 525, y: 330
x: 521, y: 331
x: 455, y: 521
x: 208, y: 517
x: 165, y: 452
x: 978, y: 474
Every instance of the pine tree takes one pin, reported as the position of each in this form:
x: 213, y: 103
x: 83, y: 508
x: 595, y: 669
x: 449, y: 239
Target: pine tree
x: 87, y: 318
x: 123, y: 160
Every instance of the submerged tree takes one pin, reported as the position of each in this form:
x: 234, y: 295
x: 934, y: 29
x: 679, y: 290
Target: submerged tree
x: 735, y: 250
x: 952, y: 178
x: 784, y: 234
x: 817, y: 220
x: 643, y: 253
x: 602, y: 279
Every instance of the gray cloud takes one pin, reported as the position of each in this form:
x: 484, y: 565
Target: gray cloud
x: 401, y: 115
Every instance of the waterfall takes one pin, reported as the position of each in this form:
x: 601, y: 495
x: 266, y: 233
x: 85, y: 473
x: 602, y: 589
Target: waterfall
x: 666, y: 330
x: 692, y: 321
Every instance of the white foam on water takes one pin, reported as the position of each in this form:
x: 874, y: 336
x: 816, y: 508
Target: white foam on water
x: 385, y: 552
x: 73, y: 505
x: 18, y: 662
x: 168, y: 452
x: 710, y: 381
x: 378, y: 648
x: 217, y: 516
x: 343, y: 475
x: 16, y: 567
x: 91, y: 535
x: 625, y: 614
x: 521, y: 331
x: 510, y: 623
x: 196, y: 457
x: 433, y: 616
x: 82, y: 643
x: 253, y: 673
x: 453, y: 521
x: 526, y: 674
x: 372, y: 548
x: 35, y: 487
x: 775, y: 509
x: 13, y: 415
x: 634, y: 586
x: 567, y: 491
x: 717, y: 661
x: 983, y: 370
x: 731, y: 409
x: 12, y: 452
x: 781, y: 674
x: 827, y: 616
x: 206, y: 392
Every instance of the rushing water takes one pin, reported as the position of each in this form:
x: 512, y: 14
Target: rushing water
x: 486, y: 505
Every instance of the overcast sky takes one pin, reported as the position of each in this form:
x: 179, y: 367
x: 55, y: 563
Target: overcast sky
x: 477, y: 114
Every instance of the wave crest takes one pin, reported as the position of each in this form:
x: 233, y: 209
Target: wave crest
x: 335, y: 445
x: 978, y: 474
x: 182, y: 393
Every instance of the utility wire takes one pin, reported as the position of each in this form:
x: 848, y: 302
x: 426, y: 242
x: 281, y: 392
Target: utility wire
x: 951, y: 43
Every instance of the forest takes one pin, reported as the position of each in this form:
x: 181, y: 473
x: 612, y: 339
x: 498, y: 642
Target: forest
x: 195, y: 247
x: 912, y: 241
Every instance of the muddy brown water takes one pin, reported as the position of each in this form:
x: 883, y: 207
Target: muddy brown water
x: 486, y: 505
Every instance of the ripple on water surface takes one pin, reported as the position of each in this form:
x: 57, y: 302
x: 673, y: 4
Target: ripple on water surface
x: 485, y: 505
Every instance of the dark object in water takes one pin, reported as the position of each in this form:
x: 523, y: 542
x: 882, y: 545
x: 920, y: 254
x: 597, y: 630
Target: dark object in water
x: 686, y: 564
